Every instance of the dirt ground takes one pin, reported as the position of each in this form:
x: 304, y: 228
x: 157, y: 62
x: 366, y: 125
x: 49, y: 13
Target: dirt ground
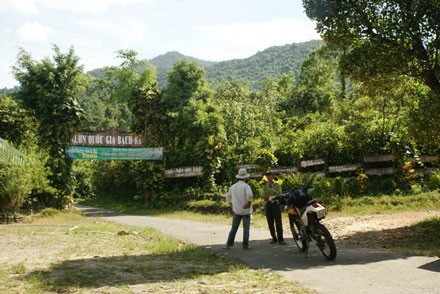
x: 369, y: 229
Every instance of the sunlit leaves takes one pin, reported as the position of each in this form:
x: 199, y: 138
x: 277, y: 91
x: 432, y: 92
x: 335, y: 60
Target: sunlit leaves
x: 382, y: 37
x: 50, y: 88
x: 16, y: 124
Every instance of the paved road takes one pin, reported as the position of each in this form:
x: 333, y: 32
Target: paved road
x: 355, y: 270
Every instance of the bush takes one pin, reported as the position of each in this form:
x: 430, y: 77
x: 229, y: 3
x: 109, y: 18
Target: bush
x: 256, y: 188
x: 434, y: 181
x: 416, y: 189
x: 114, y: 179
x: 324, y: 187
x: 218, y: 206
x: 291, y: 181
x: 82, y: 172
x: 373, y: 186
x: 14, y: 187
x: 339, y: 186
x: 352, y: 187
x: 19, y: 182
x: 49, y: 212
x: 295, y: 180
x: 388, y: 186
x: 207, y: 206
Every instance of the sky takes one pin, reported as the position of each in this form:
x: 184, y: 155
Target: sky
x: 206, y: 29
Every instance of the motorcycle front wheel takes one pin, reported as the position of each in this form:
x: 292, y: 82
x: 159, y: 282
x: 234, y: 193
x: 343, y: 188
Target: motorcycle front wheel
x: 298, y: 236
x: 324, y: 241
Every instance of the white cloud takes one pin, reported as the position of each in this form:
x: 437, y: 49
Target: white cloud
x: 26, y: 7
x: 87, y: 6
x: 125, y: 34
x: 272, y: 32
x: 33, y: 31
x: 246, y: 39
x: 132, y: 32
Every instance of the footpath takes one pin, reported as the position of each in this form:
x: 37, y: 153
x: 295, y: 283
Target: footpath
x: 355, y: 270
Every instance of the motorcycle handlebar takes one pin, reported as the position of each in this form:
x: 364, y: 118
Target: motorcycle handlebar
x: 299, y: 188
x: 297, y: 195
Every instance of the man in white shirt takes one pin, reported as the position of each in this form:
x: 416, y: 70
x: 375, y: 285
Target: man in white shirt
x: 240, y: 196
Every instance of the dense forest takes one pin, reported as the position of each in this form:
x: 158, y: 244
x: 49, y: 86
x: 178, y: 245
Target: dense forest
x: 371, y: 88
x: 271, y: 62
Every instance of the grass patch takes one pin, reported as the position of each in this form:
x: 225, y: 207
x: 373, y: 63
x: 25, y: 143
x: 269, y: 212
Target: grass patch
x: 422, y: 238
x: 67, y: 252
x: 387, y: 203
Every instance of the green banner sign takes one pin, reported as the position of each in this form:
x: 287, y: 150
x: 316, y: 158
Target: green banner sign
x: 112, y: 153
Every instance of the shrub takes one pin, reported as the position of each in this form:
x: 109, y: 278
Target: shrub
x: 14, y: 187
x: 434, y: 181
x: 207, y: 206
x: 352, y: 187
x: 49, y: 212
x: 300, y: 179
x: 339, y: 186
x: 388, y: 186
x: 290, y: 182
x: 82, y: 172
x: 256, y: 188
x: 19, y: 182
x: 114, y: 179
x: 374, y: 186
x: 416, y: 189
x: 218, y: 206
x: 324, y: 186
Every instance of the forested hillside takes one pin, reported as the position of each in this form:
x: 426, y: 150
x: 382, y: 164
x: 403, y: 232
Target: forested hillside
x: 165, y: 62
x: 271, y: 62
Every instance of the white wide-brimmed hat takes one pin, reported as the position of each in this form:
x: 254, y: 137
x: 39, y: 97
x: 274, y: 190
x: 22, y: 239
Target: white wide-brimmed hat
x: 242, y: 174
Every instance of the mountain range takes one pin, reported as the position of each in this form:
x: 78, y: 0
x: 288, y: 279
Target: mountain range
x: 271, y: 62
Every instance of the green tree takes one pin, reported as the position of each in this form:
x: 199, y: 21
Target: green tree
x: 114, y: 91
x: 148, y: 109
x: 49, y: 90
x: 186, y: 87
x: 319, y: 83
x: 16, y: 125
x: 252, y: 122
x: 101, y: 111
x: 322, y: 140
x: 289, y: 150
x: 242, y: 126
x: 388, y: 39
x: 186, y: 80
x: 382, y: 37
x: 424, y: 122
x: 128, y: 76
x: 128, y: 99
x: 286, y: 83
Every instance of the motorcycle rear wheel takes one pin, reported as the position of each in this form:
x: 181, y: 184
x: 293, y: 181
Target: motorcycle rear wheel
x: 324, y: 241
x: 298, y: 236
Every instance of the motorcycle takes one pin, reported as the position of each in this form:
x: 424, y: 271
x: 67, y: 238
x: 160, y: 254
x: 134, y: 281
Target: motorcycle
x: 305, y: 215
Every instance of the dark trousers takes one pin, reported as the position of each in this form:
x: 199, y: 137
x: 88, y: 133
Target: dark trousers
x: 236, y: 219
x: 273, y: 216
